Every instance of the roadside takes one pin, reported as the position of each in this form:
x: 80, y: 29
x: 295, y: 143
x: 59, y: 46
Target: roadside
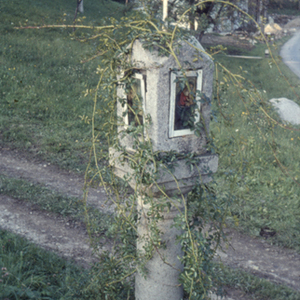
x: 290, y: 53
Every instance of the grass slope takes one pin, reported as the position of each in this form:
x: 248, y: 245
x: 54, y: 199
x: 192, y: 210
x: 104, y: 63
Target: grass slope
x: 42, y: 80
x: 254, y: 287
x: 259, y: 160
x: 42, y: 85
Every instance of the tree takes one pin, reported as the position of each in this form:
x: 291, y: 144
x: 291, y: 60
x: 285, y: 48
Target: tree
x: 216, y: 13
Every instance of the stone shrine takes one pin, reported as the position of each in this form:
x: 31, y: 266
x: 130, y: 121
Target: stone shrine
x: 172, y: 96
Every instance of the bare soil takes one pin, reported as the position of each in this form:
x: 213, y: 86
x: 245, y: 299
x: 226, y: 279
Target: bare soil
x: 14, y: 164
x: 52, y: 232
x: 256, y: 255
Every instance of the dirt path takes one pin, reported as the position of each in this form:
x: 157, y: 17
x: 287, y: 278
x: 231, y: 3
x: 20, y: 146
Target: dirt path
x: 70, y: 239
x: 47, y: 230
x: 257, y: 256
x: 66, y: 182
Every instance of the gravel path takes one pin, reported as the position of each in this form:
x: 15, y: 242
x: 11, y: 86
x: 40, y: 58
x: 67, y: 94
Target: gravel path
x: 47, y: 230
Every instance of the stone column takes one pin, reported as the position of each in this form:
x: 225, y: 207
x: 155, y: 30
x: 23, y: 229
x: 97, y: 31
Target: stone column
x: 164, y: 268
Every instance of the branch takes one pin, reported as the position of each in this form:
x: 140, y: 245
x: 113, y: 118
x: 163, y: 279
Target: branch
x: 65, y: 26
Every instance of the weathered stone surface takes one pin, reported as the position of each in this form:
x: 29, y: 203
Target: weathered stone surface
x: 288, y: 110
x: 279, y: 265
x: 166, y: 102
x: 180, y: 180
x: 164, y: 267
x: 157, y: 70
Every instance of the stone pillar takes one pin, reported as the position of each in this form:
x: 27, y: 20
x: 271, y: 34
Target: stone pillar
x: 164, y: 268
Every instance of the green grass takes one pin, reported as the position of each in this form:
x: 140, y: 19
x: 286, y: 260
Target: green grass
x: 42, y: 86
x: 28, y: 272
x: 263, y: 195
x: 42, y: 80
x: 254, y: 287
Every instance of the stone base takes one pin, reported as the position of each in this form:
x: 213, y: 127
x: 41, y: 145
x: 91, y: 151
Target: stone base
x: 179, y: 181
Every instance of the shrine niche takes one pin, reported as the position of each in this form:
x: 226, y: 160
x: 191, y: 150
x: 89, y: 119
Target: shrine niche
x: 136, y: 101
x: 184, y: 102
